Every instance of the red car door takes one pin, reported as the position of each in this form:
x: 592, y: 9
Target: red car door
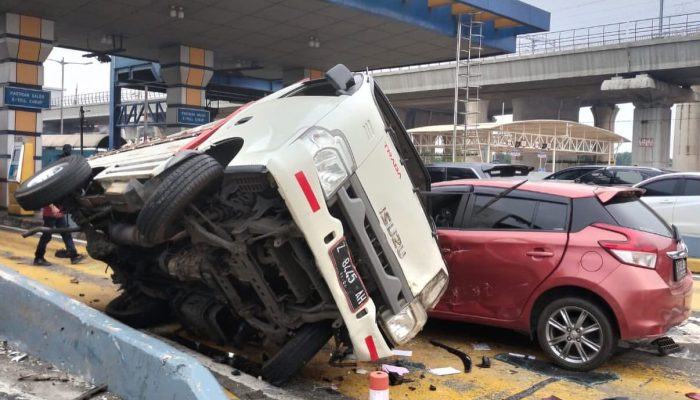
x: 502, y: 253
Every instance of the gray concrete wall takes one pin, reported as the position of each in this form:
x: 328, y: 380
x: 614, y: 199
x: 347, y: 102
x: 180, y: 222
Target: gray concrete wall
x: 686, y: 142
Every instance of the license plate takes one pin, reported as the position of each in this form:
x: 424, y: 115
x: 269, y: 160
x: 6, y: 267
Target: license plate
x: 680, y: 268
x: 349, y: 279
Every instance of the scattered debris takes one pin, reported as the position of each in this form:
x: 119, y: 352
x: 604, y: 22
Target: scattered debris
x: 92, y: 392
x: 412, y: 388
x: 518, y: 355
x: 235, y: 372
x: 361, y: 371
x: 397, y: 379
x: 532, y: 389
x: 485, y: 362
x: 402, y: 353
x: 81, y: 294
x: 432, y: 388
x: 648, y: 381
x: 392, y: 368
x: 444, y: 371
x: 42, y: 378
x: 18, y: 358
x: 409, y: 364
x: 75, y: 281
x: 545, y: 368
x: 552, y: 397
x: 466, y: 360
x: 481, y: 346
x: 666, y: 345
x: 694, y: 396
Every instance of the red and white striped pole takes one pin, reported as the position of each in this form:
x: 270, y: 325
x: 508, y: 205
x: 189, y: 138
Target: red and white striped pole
x: 378, y: 385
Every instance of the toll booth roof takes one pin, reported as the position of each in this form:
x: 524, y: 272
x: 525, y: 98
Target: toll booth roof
x: 266, y: 36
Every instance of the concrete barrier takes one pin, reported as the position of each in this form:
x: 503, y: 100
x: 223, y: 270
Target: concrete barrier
x: 79, y: 339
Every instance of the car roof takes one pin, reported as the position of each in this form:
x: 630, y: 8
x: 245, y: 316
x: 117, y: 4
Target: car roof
x: 482, y: 166
x: 670, y: 175
x: 570, y: 190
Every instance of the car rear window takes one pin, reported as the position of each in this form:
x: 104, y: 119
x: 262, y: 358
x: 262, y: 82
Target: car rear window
x: 437, y: 174
x: 460, y: 173
x: 664, y: 187
x: 632, y: 213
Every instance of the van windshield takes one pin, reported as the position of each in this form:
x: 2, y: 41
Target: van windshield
x: 632, y: 213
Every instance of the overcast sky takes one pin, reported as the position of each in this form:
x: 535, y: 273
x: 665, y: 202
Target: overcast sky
x: 566, y: 14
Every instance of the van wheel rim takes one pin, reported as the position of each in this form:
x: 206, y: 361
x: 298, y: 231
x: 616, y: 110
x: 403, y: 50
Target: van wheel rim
x: 574, y: 335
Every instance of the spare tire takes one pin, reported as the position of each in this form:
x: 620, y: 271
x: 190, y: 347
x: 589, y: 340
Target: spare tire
x: 53, y: 183
x: 161, y: 215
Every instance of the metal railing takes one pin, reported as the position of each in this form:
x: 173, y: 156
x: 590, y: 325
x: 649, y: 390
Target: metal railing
x: 127, y: 95
x: 584, y: 38
x: 604, y: 35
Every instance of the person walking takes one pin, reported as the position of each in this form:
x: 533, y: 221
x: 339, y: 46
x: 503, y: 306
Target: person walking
x: 56, y: 218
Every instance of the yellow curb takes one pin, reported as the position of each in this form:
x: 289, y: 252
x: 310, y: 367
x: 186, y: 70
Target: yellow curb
x: 694, y: 265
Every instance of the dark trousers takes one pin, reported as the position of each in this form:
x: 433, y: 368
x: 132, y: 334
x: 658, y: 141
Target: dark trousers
x: 46, y: 237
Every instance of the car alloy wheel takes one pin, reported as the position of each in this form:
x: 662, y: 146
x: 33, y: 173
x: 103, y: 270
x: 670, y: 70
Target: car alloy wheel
x: 574, y: 334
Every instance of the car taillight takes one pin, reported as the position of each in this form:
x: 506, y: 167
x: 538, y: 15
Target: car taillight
x: 637, y: 250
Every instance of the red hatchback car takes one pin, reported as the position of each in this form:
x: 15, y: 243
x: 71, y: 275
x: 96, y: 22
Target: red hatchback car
x: 577, y: 266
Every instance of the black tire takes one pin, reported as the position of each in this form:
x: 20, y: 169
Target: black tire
x: 53, y: 183
x: 604, y: 338
x: 138, y: 310
x: 160, y: 216
x: 298, y: 351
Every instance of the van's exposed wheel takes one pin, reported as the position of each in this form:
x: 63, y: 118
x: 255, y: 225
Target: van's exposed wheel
x: 53, y: 183
x: 576, y: 333
x: 298, y: 351
x: 161, y: 215
x: 138, y: 310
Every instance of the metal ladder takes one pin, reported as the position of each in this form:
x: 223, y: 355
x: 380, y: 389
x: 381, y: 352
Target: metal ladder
x: 467, y: 87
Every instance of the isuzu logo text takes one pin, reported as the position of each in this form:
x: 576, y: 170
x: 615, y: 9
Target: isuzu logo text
x: 393, y: 233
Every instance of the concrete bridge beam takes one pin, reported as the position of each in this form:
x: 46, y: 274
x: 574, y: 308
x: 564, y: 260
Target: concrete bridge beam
x: 527, y: 108
x: 651, y: 134
x: 604, y: 116
x: 686, y: 143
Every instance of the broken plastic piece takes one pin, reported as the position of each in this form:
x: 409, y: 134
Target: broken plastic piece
x: 692, y: 395
x: 481, y: 346
x: 466, y: 360
x: 485, y: 362
x: 402, y: 353
x: 444, y: 371
x: 392, y: 368
x: 18, y: 358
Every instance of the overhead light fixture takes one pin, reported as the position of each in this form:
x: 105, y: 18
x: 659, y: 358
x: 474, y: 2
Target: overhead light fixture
x: 180, y: 12
x: 173, y: 12
x: 314, y: 42
x: 107, y: 39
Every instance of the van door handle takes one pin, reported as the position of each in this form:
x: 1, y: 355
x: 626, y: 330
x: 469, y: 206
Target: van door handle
x: 539, y: 253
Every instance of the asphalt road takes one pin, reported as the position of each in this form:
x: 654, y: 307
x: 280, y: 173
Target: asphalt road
x: 635, y: 373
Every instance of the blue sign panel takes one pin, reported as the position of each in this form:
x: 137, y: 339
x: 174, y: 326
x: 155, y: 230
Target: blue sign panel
x: 27, y: 98
x: 192, y: 116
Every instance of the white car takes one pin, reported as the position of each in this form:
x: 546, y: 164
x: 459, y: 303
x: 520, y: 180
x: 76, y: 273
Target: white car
x: 295, y: 219
x: 676, y: 198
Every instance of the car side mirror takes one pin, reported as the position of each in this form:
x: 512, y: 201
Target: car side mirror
x: 340, y: 77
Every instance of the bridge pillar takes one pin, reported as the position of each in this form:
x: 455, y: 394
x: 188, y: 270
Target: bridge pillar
x: 686, y: 141
x: 527, y: 108
x: 604, y: 116
x: 186, y: 70
x: 26, y: 43
x: 651, y: 134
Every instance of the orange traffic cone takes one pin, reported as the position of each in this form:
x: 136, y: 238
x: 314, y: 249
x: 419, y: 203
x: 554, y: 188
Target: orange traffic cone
x: 378, y: 385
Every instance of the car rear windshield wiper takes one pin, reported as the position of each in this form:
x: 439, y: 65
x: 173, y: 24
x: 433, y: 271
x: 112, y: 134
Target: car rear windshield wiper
x: 500, y: 196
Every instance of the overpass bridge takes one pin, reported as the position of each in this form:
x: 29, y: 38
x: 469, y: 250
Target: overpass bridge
x: 552, y: 75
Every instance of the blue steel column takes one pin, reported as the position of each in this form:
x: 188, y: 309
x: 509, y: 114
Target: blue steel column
x: 114, y: 99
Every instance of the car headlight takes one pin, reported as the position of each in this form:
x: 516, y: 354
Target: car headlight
x: 403, y: 326
x: 332, y: 157
x: 432, y: 292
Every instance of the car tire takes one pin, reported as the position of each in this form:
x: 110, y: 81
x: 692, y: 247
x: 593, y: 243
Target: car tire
x: 581, y: 350
x: 53, y: 183
x: 138, y: 310
x: 297, y: 352
x: 160, y: 216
